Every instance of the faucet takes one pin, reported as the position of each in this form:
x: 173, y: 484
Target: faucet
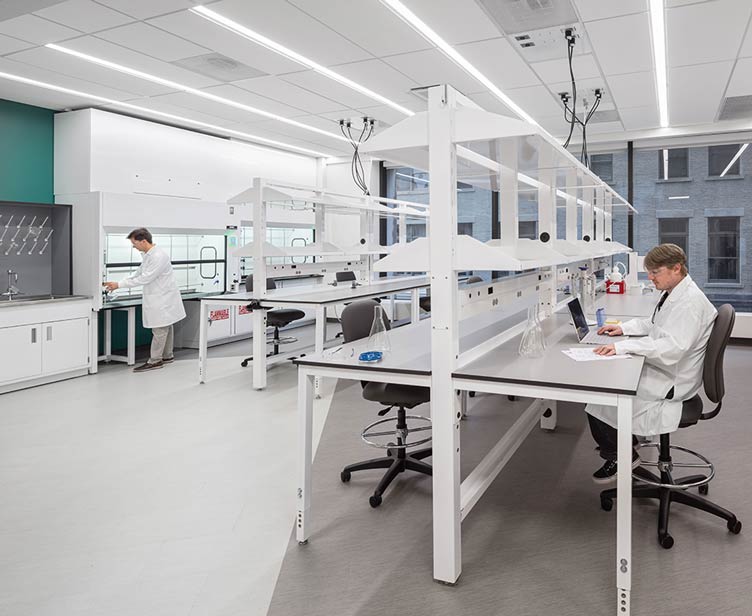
x: 12, y: 288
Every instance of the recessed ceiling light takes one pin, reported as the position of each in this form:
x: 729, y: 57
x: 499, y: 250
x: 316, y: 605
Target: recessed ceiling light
x: 288, y: 53
x: 162, y: 114
x: 202, y: 93
x: 733, y: 160
x: 658, y: 28
x: 423, y: 29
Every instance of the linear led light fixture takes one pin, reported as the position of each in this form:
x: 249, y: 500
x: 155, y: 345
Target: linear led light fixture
x: 288, y: 53
x: 424, y: 30
x: 162, y: 114
x: 680, y: 197
x: 203, y: 94
x: 658, y: 27
x: 733, y: 160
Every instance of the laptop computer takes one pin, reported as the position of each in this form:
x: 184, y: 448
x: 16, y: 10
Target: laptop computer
x: 584, y: 334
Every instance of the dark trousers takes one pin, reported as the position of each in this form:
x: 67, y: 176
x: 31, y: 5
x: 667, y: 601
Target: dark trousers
x: 606, y: 437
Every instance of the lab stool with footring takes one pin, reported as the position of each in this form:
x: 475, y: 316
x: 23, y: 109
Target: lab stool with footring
x: 274, y: 318
x: 356, y: 324
x: 665, y: 487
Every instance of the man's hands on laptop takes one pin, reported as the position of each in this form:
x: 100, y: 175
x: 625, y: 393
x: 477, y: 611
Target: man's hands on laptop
x: 611, y: 330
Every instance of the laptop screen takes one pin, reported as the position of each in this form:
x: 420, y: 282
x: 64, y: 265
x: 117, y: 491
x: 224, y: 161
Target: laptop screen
x: 578, y: 318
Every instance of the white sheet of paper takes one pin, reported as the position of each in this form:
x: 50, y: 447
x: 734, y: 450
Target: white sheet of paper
x: 586, y: 353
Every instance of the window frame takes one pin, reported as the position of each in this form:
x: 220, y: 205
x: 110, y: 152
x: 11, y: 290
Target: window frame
x: 666, y: 237
x: 737, y: 257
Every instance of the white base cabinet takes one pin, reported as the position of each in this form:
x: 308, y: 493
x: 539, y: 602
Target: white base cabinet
x: 43, y: 343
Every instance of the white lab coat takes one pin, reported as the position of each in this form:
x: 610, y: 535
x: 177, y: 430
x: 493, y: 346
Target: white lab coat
x: 162, y: 303
x: 674, y: 350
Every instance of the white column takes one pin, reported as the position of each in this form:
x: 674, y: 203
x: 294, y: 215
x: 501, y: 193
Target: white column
x: 588, y: 196
x: 259, y: 240
x: 600, y: 214
x: 624, y: 505
x: 609, y: 220
x: 414, y: 306
x: 319, y: 337
x: 508, y: 196
x: 258, y: 318
x: 305, y: 451
x: 571, y: 190
x: 447, y: 550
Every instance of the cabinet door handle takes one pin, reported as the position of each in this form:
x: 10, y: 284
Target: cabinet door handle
x: 49, y: 333
x: 33, y: 335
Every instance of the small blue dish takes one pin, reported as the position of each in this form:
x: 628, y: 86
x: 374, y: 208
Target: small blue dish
x: 370, y: 357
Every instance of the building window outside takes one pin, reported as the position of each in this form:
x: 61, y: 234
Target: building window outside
x: 674, y: 231
x: 673, y: 164
x: 719, y: 157
x: 528, y: 229
x: 723, y: 249
x: 418, y: 229
x: 603, y: 166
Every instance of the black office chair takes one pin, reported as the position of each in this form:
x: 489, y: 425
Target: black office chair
x: 425, y: 302
x: 357, y: 319
x: 666, y: 488
x: 274, y: 318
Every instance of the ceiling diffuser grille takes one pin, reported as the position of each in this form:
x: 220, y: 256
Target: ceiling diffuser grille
x: 516, y: 16
x: 219, y: 67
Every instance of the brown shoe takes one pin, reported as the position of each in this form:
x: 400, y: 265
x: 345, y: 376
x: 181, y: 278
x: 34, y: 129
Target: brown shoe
x: 147, y: 366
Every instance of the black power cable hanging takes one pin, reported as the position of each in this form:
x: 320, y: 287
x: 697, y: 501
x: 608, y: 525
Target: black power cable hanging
x: 356, y: 164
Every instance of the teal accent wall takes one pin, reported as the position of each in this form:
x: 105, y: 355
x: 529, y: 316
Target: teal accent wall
x: 26, y: 153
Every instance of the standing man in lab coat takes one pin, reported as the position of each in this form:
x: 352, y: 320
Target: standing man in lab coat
x: 673, y: 343
x: 162, y: 306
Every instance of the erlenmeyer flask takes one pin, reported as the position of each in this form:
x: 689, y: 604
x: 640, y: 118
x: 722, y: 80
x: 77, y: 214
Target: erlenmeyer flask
x: 531, y: 344
x: 378, y: 340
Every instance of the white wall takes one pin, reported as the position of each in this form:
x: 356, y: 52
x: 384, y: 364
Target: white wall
x: 100, y: 151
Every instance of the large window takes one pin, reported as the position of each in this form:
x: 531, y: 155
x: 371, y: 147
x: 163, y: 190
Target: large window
x: 673, y: 164
x: 528, y: 229
x: 719, y: 157
x: 674, y: 231
x: 603, y: 166
x: 723, y: 249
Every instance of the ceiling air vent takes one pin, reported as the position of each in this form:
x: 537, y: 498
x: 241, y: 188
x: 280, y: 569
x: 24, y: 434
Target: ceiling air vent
x: 521, y: 16
x: 736, y: 108
x: 218, y: 67
x: 607, y: 115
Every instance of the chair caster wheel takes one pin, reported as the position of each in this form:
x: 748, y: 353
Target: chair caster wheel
x: 511, y: 398
x: 607, y: 504
x: 666, y: 541
x: 703, y: 489
x: 244, y: 363
x: 345, y: 476
x: 375, y: 500
x: 303, y: 542
x: 734, y: 526
x: 471, y: 394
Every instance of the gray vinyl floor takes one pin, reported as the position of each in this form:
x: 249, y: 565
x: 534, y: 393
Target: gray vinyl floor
x: 537, y: 543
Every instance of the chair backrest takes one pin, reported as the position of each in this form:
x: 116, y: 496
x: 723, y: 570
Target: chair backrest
x: 357, y: 318
x: 270, y: 284
x: 345, y: 276
x: 712, y: 374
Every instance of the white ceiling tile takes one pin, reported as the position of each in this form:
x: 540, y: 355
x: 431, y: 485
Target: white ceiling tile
x: 323, y: 86
x: 65, y: 65
x: 126, y: 57
x: 254, y: 100
x: 456, y: 21
x: 622, y: 44
x: 84, y: 15
x: 196, y: 29
x: 695, y: 92
x: 536, y: 100
x: 153, y: 42
x: 701, y: 33
x: 288, y: 25
x: 557, y: 71
x: 490, y: 103
x: 280, y: 90
x: 670, y: 4
x: 598, y: 128
x: 367, y: 33
x: 159, y: 103
x: 590, y: 10
x: 9, y: 44
x: 285, y: 132
x: 746, y: 49
x: 637, y: 118
x: 49, y: 74
x: 741, y: 78
x: 144, y: 9
x: 388, y: 115
x: 378, y: 76
x: 431, y: 67
x: 498, y: 60
x: 555, y: 125
x: 203, y: 105
x: 633, y: 89
x: 37, y: 97
x: 36, y: 30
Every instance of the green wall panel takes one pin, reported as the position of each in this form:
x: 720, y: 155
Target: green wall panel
x: 26, y: 153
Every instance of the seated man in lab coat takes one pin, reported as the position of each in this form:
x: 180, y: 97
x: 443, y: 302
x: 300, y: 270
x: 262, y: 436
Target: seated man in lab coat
x: 162, y: 305
x: 673, y: 343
